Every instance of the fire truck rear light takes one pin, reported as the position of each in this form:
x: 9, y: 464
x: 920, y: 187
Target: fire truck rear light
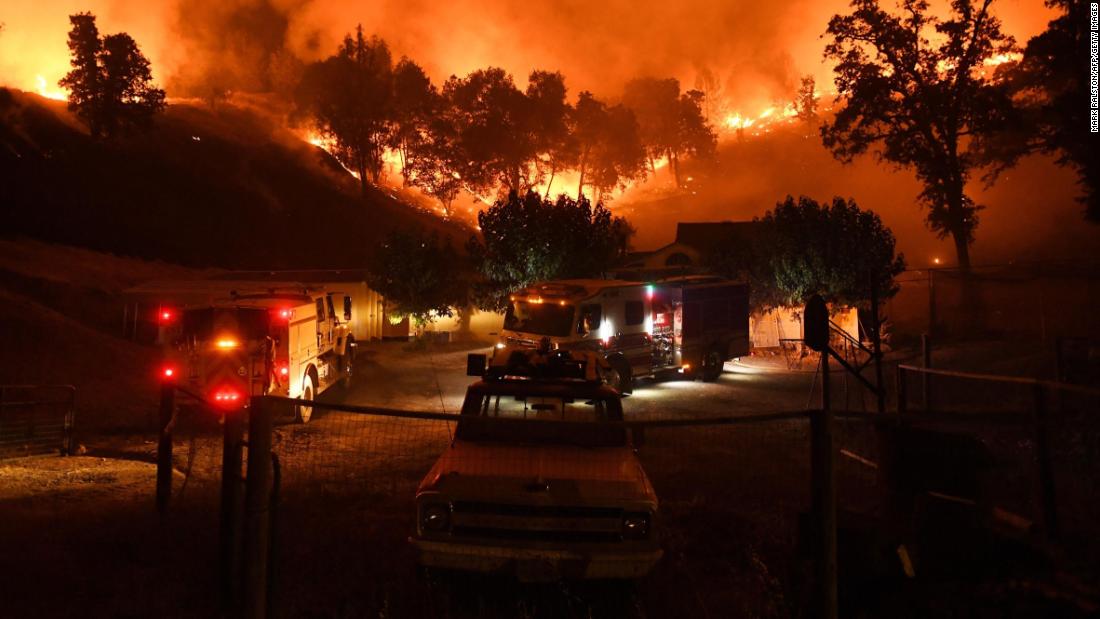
x: 286, y: 314
x: 284, y: 371
x: 227, y: 397
x: 165, y: 316
x: 168, y: 372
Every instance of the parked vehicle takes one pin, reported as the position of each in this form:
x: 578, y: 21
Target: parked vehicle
x: 293, y: 345
x: 688, y: 325
x: 541, y: 479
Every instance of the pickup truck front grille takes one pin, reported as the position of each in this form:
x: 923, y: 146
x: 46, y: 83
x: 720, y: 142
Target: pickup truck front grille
x: 549, y: 523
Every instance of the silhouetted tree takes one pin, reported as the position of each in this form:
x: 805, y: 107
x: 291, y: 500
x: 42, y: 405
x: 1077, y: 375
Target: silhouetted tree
x: 549, y: 124
x: 421, y: 275
x: 493, y: 117
x: 804, y: 248
x: 708, y: 83
x: 415, y: 102
x: 805, y: 102
x: 670, y: 124
x: 110, y: 84
x: 610, y: 150
x: 529, y: 239
x: 923, y: 105
x: 349, y: 97
x: 435, y: 162
x: 1050, y: 91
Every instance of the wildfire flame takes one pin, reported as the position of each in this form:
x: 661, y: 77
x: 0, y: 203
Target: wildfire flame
x: 42, y: 88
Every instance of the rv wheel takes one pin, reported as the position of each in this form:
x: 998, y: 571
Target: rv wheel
x: 304, y: 411
x: 712, y: 365
x: 618, y: 376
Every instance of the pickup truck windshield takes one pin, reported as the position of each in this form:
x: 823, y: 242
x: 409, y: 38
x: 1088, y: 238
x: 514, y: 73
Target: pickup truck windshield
x: 541, y: 420
x: 551, y: 318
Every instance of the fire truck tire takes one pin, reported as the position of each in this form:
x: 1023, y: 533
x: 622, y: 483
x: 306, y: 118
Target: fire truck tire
x: 712, y: 365
x: 346, y: 363
x: 309, y: 390
x: 619, y: 376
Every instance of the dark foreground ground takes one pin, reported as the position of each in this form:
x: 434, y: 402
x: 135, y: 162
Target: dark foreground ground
x: 79, y: 536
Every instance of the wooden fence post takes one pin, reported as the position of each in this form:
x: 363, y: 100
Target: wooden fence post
x: 876, y: 342
x: 1045, y: 495
x: 903, y: 391
x: 823, y: 474
x: 926, y: 378
x: 229, y: 530
x: 164, y: 447
x: 257, y: 506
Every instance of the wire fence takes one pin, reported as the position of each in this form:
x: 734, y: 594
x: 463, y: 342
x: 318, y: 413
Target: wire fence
x: 728, y: 525
x: 919, y: 493
x: 1031, y: 446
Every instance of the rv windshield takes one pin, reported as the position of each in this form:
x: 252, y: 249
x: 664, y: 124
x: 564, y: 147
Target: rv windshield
x: 553, y: 319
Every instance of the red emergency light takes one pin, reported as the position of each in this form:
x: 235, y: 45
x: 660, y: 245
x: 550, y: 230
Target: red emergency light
x: 165, y: 315
x: 286, y: 314
x: 227, y: 398
x: 284, y: 370
x: 168, y: 373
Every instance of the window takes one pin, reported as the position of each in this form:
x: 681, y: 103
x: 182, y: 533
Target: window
x: 320, y: 309
x: 539, y: 318
x: 591, y: 319
x: 678, y: 259
x: 635, y: 313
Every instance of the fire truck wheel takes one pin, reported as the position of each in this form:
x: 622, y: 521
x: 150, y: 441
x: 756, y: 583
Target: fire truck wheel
x: 308, y: 389
x: 712, y: 365
x: 618, y: 376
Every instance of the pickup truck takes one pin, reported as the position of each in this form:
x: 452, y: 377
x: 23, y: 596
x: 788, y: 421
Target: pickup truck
x: 541, y: 480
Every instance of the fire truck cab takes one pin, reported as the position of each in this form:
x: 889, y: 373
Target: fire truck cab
x: 688, y: 325
x: 294, y: 345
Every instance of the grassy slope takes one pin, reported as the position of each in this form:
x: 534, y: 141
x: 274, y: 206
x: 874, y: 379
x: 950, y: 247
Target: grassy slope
x: 227, y: 187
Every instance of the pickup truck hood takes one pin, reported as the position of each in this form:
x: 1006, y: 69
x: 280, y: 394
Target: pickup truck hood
x: 558, y: 474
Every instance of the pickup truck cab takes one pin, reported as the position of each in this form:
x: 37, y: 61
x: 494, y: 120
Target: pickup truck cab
x: 541, y: 480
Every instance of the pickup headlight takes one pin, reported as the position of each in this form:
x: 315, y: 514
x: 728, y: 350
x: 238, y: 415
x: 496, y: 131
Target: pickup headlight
x: 435, y: 517
x: 636, y: 525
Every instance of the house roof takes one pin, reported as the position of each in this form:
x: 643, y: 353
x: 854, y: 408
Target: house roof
x: 706, y: 236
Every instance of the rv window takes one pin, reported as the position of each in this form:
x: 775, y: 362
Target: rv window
x: 328, y: 304
x: 347, y: 308
x: 635, y: 313
x: 539, y: 318
x: 591, y: 317
x: 320, y: 309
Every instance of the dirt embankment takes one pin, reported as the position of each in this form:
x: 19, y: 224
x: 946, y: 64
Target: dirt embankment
x: 61, y: 308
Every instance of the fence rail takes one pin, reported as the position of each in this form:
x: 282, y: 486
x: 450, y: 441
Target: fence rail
x: 36, y: 420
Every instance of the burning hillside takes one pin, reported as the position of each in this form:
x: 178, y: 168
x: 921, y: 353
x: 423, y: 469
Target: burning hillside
x: 219, y: 187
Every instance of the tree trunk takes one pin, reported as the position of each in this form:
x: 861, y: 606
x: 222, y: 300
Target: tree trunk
x: 962, y: 249
x: 674, y: 166
x: 550, y: 183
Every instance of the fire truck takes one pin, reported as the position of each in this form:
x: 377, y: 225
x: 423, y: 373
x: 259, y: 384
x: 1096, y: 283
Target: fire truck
x: 686, y: 326
x: 292, y: 344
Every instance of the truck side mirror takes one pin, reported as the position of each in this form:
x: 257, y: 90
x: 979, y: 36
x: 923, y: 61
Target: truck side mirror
x: 475, y: 364
x: 347, y: 308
